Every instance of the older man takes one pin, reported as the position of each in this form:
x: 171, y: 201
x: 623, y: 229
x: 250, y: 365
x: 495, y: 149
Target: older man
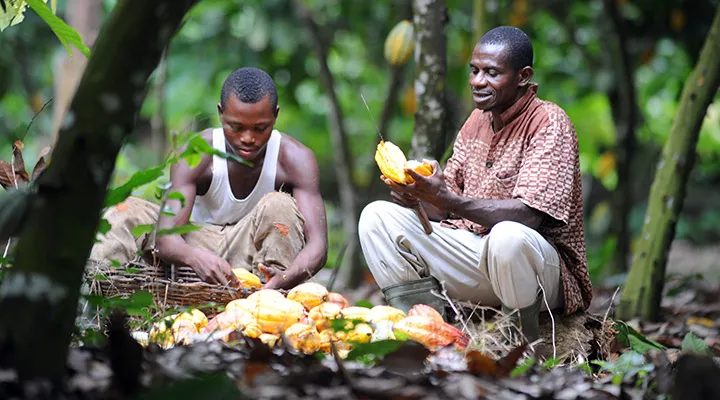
x: 507, y: 208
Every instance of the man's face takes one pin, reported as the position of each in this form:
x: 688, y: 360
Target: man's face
x: 494, y: 82
x: 247, y: 126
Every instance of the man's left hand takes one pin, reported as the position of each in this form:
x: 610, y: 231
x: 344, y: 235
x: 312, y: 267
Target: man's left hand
x: 430, y: 189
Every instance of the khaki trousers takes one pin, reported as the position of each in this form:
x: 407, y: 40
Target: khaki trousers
x: 272, y: 234
x: 502, y: 267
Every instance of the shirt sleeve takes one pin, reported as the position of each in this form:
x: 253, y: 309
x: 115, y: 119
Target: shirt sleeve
x: 453, y: 171
x: 546, y: 177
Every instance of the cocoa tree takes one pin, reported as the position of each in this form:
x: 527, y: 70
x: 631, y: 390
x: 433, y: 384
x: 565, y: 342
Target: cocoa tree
x: 430, y: 17
x: 39, y: 295
x: 642, y: 293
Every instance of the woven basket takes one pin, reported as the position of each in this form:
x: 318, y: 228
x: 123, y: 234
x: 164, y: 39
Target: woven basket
x: 171, y: 286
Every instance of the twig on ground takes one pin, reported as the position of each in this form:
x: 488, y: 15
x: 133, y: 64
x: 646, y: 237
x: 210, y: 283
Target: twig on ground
x: 552, y: 319
x: 612, y: 300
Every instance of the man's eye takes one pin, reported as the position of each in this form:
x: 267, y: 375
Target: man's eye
x: 492, y: 73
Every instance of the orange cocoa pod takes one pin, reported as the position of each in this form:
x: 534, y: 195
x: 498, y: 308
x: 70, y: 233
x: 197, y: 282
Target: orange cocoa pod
x: 425, y: 310
x: 303, y: 337
x: 337, y: 298
x: 430, y: 332
x: 320, y: 315
x: 309, y: 294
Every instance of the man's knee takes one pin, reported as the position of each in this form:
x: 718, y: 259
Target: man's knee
x: 371, y: 217
x: 281, y: 206
x: 506, y: 240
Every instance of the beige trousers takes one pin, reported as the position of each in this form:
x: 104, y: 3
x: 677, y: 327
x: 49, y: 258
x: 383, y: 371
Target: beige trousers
x: 502, y: 267
x: 272, y: 234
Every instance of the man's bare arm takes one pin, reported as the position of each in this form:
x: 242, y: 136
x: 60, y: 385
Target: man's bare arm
x: 489, y: 212
x: 305, y: 175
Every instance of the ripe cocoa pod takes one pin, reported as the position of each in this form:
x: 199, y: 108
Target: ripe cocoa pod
x: 361, y: 333
x: 303, y: 337
x: 309, y: 294
x: 320, y: 315
x: 252, y: 330
x: 381, y: 312
x: 391, y: 161
x: 276, y: 315
x: 161, y: 334
x: 429, y: 332
x: 355, y: 313
x: 419, y: 167
x: 269, y: 339
x: 247, y: 278
x: 425, y: 310
x: 242, y: 304
x: 234, y: 319
x: 197, y: 317
x: 400, y: 43
x: 183, y: 330
x: 337, y: 298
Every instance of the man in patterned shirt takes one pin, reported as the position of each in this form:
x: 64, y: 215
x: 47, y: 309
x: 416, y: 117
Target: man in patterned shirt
x: 506, y: 210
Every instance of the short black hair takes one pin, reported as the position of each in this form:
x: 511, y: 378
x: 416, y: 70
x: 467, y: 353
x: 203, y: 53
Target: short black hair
x: 518, y: 44
x: 249, y: 85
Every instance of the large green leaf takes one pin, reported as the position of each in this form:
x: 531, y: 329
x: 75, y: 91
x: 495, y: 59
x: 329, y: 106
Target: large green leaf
x: 139, y: 178
x: 694, y: 344
x: 65, y: 33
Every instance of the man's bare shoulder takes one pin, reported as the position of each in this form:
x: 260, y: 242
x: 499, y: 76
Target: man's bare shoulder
x: 296, y: 160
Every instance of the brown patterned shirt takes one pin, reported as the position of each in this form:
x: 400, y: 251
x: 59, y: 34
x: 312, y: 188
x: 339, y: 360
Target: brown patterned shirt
x: 534, y: 158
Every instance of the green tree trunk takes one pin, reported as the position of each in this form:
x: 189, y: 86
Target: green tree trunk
x: 643, y: 291
x: 430, y: 17
x: 39, y: 296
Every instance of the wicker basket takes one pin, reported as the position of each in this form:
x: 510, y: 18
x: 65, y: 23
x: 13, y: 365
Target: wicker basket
x: 171, y: 286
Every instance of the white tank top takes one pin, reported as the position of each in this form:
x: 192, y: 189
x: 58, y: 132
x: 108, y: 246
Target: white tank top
x: 219, y: 206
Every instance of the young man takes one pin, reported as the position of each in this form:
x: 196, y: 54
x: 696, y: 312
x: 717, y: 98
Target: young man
x: 247, y: 222
x: 507, y: 208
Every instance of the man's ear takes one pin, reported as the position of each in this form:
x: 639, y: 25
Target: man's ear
x: 526, y: 74
x: 220, y: 109
x: 277, y: 111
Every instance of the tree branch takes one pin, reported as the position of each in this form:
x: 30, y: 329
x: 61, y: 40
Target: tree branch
x: 39, y: 296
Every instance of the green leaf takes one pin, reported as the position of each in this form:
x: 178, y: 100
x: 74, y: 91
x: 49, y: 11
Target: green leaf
x: 104, y: 226
x: 99, y: 277
x: 197, y: 144
x: 696, y: 345
x: 64, y: 32
x: 142, y: 229
x: 141, y: 299
x: 374, y: 350
x: 139, y: 178
x: 551, y: 362
x: 132, y: 270
x: 364, y: 303
x: 177, y: 196
x: 635, y: 340
x: 193, y: 159
x: 523, y: 368
x: 179, y: 230
x: 115, y: 264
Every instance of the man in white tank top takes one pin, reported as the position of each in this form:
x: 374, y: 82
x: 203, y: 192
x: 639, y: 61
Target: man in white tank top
x: 246, y: 221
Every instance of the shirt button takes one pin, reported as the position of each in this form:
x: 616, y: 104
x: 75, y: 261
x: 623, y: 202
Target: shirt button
x: 489, y: 164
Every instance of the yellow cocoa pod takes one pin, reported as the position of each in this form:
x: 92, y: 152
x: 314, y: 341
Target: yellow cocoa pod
x: 391, y: 161
x: 334, y: 297
x: 269, y: 339
x: 276, y: 315
x: 430, y: 332
x: 309, y: 294
x: 303, y: 337
x: 327, y: 337
x: 243, y: 304
x: 263, y: 295
x: 247, y: 278
x: 361, y: 333
x: 355, y: 313
x: 382, y: 330
x: 233, y: 319
x: 183, y: 330
x: 252, y: 330
x: 161, y: 334
x: 321, y: 315
x: 195, y: 316
x: 400, y: 43
x: 380, y: 313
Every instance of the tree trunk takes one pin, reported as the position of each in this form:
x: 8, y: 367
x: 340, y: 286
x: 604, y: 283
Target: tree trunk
x: 430, y: 17
x: 85, y: 16
x: 643, y: 291
x: 351, y: 274
x: 625, y: 113
x: 159, y: 135
x: 39, y: 296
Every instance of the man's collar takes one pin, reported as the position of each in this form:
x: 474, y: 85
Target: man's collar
x: 519, y: 106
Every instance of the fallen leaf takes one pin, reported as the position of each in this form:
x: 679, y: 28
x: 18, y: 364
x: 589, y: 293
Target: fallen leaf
x: 479, y: 363
x: 706, y: 322
x: 42, y: 163
x: 19, y: 162
x: 284, y: 229
x: 507, y: 364
x: 6, y: 176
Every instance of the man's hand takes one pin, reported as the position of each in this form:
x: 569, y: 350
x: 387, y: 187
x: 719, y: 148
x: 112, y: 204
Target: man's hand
x: 212, y: 269
x: 431, y: 189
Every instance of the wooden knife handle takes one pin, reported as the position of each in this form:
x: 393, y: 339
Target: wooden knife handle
x: 424, y: 220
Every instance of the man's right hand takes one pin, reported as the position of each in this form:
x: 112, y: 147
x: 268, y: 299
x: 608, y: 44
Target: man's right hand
x: 212, y: 269
x: 403, y: 199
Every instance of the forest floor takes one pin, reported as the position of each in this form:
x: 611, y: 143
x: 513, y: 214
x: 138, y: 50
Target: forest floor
x: 676, y: 357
